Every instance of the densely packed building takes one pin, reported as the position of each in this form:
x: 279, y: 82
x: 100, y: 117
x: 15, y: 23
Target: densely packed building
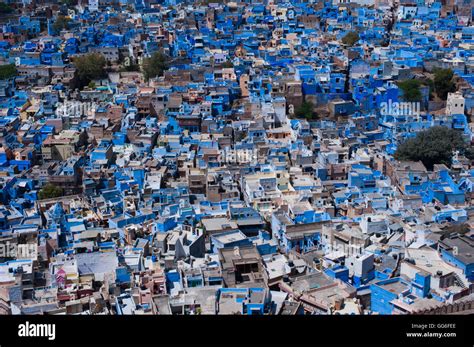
x: 253, y: 172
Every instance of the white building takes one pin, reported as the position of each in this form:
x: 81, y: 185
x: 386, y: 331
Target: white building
x: 455, y: 104
x: 374, y: 224
x: 406, y: 12
x: 93, y: 5
x: 360, y: 265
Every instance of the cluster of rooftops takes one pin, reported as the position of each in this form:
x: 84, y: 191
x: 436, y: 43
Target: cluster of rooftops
x: 205, y: 189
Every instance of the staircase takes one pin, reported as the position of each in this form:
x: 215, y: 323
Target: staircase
x: 461, y: 281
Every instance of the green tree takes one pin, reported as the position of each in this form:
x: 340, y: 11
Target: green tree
x: 444, y: 82
x: 411, y: 90
x: 62, y: 22
x: 350, y: 38
x: 69, y: 2
x: 432, y: 146
x: 7, y: 71
x: 469, y: 152
x: 127, y: 64
x: 50, y: 191
x: 5, y: 9
x: 89, y: 67
x: 430, y: 83
x: 130, y: 67
x: 227, y: 64
x: 306, y: 110
x: 155, y: 65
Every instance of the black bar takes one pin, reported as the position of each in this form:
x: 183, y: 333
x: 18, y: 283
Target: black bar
x: 244, y: 330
